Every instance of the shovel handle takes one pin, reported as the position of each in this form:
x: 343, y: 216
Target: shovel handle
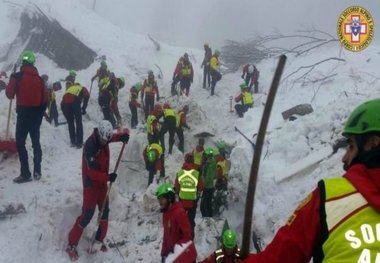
x: 9, y: 119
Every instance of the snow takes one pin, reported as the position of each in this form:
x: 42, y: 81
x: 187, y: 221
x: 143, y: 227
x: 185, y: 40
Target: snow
x: 53, y: 203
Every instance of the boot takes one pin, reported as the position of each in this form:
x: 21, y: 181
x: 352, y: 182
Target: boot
x: 22, y: 179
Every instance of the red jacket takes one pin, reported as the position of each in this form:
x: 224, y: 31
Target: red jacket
x: 187, y: 204
x: 83, y: 95
x: 177, y: 229
x: 96, y: 159
x: 296, y: 241
x: 184, y: 64
x: 28, y: 87
x: 177, y: 70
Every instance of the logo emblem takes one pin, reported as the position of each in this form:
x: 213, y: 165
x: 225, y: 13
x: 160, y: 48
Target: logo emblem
x: 355, y: 28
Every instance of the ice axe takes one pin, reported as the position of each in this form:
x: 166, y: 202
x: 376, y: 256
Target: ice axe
x: 106, y: 198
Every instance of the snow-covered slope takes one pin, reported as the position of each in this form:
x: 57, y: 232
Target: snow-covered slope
x: 53, y: 203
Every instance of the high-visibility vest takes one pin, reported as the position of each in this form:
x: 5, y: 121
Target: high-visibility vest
x: 247, y: 98
x: 74, y: 90
x: 198, y: 157
x: 219, y: 255
x: 188, y: 181
x: 214, y: 63
x: 148, y: 87
x: 353, y: 226
x: 224, y: 165
x: 104, y: 83
x: 186, y: 70
x: 169, y: 112
x: 155, y: 146
x: 178, y: 119
x: 149, y: 123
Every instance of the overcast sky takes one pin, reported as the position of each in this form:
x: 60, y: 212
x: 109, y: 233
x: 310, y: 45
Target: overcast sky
x: 191, y: 23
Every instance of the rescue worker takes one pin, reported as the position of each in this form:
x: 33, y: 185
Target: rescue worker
x: 134, y: 104
x: 71, y: 107
x: 101, y: 73
x: 71, y: 77
x: 176, y: 76
x: 215, y: 70
x: 153, y: 160
x: 209, y: 177
x: 177, y: 229
x: 251, y: 77
x: 221, y: 183
x: 339, y: 220
x: 150, y: 90
x: 52, y: 110
x: 108, y: 91
x: 95, y: 175
x: 198, y: 154
x: 31, y: 99
x: 246, y: 99
x: 188, y: 186
x: 119, y: 84
x: 228, y: 253
x: 169, y: 125
x: 206, y: 65
x: 153, y: 126
x: 182, y: 123
x: 186, y: 75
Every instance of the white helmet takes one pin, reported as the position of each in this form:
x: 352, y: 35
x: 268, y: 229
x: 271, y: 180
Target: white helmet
x: 250, y: 69
x: 105, y: 130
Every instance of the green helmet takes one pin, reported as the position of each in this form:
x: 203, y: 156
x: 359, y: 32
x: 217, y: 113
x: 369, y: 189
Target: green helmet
x: 363, y: 119
x: 243, y: 85
x: 138, y: 86
x: 122, y: 81
x: 220, y: 145
x: 151, y: 154
x: 229, y: 238
x: 72, y: 73
x: 28, y: 56
x: 217, y: 52
x: 163, y: 189
x: 209, y: 151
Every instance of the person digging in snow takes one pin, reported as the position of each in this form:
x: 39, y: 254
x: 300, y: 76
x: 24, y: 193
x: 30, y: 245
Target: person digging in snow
x: 153, y: 160
x: 95, y: 175
x: 246, y: 99
x: 101, y: 73
x: 31, y: 99
x: 339, y: 220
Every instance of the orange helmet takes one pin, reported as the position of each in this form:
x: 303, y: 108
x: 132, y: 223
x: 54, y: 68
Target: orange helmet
x: 166, y: 105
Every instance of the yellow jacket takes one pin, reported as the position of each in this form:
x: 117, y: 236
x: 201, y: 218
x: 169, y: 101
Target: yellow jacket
x: 214, y: 63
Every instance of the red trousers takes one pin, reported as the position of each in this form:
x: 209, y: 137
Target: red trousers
x: 93, y: 194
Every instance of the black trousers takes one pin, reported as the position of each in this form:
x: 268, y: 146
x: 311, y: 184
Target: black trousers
x: 29, y: 122
x: 191, y: 213
x: 185, y: 85
x: 206, y: 76
x: 215, y: 77
x: 134, y: 119
x: 73, y: 115
x: 241, y: 109
x: 149, y: 104
x: 173, y: 87
x: 169, y: 125
x: 206, y: 202
x: 181, y: 139
x: 104, y: 101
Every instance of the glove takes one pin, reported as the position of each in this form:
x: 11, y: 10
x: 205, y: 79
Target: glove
x: 83, y: 111
x: 112, y: 177
x: 124, y: 137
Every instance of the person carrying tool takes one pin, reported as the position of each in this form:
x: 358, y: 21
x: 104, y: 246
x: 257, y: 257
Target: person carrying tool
x: 71, y: 107
x: 31, y: 99
x: 95, y: 175
x: 339, y: 220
